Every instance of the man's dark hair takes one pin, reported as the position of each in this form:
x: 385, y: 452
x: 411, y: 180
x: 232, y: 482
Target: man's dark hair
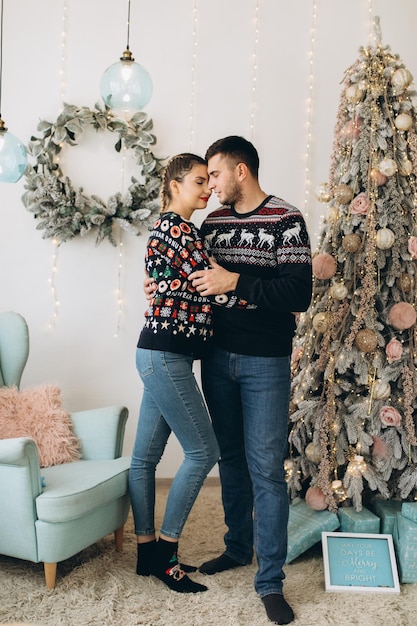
x: 237, y: 150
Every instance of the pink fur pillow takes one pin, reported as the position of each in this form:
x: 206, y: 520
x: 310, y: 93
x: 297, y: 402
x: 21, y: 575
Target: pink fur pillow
x: 37, y: 413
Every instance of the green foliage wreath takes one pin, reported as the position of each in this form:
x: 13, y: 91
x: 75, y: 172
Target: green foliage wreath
x: 64, y: 212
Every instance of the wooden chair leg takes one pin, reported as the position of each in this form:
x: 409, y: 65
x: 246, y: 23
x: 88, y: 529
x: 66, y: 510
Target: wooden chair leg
x: 118, y: 538
x: 50, y: 574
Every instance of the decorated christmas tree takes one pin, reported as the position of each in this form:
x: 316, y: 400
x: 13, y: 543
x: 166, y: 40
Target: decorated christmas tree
x: 354, y: 408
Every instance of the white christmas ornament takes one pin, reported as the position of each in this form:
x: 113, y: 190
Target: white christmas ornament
x: 354, y: 93
x: 338, y: 291
x: 381, y: 390
x: 388, y: 167
x: 320, y: 322
x: 313, y: 452
x: 385, y: 238
x: 400, y: 79
x: 403, y: 121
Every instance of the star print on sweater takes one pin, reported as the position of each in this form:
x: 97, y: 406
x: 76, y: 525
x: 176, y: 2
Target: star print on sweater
x: 178, y: 318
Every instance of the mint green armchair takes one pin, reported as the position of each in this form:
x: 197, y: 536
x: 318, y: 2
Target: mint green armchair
x: 49, y: 514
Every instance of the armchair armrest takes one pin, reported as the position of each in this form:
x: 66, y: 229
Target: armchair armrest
x: 100, y: 431
x: 20, y: 453
x: 20, y: 485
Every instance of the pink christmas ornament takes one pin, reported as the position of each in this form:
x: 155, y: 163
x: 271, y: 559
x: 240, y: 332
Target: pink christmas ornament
x: 402, y: 316
x: 351, y: 130
x: 379, y: 449
x: 316, y: 499
x: 324, y: 266
x: 378, y: 177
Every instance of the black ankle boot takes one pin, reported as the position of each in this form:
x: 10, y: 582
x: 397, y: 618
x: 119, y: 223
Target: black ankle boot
x: 146, y: 556
x: 165, y: 567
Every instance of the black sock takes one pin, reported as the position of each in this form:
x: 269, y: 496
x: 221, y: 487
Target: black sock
x: 167, y: 569
x: 146, y: 555
x: 220, y: 564
x: 278, y: 609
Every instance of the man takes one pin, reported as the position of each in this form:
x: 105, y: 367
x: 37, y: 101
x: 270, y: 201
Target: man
x: 261, y: 253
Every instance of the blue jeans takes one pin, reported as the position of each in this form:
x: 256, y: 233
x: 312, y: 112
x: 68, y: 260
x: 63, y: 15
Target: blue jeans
x: 171, y: 401
x: 248, y: 399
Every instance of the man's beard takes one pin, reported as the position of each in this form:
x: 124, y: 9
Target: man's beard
x: 232, y: 193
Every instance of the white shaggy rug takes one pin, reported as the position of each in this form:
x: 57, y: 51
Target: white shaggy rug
x: 99, y: 586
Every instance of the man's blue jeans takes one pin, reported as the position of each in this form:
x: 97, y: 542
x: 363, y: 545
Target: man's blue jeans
x: 172, y: 401
x: 248, y: 399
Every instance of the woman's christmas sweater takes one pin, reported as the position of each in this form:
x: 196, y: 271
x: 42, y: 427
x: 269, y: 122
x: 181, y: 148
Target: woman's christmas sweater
x: 270, y: 249
x: 178, y: 318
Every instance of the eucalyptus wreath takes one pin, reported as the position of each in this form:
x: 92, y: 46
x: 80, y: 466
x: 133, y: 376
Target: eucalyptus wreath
x: 62, y: 211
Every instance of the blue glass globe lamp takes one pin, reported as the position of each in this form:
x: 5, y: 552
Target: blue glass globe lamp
x: 126, y: 86
x: 13, y: 156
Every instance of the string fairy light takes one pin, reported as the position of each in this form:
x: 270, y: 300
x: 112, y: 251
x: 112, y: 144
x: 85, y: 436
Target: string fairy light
x: 309, y: 106
x: 52, y: 283
x: 193, y: 96
x: 120, y: 266
x: 371, y: 30
x: 254, y: 73
x: 63, y: 86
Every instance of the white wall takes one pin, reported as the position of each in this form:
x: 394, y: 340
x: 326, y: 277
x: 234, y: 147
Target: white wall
x: 80, y: 352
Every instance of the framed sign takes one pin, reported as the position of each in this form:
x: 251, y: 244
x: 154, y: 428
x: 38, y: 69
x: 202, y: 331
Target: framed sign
x: 356, y: 562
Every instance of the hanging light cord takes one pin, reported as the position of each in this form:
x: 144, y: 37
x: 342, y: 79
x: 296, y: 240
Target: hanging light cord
x: 1, y: 49
x: 128, y: 24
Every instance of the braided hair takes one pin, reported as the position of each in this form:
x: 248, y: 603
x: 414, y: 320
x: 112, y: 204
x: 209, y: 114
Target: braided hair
x: 176, y: 169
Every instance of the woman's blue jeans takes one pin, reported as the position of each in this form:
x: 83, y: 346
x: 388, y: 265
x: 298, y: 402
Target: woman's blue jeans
x: 248, y: 399
x: 172, y: 401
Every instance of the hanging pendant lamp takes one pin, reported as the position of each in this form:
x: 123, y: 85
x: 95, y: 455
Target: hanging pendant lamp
x: 13, y: 155
x: 126, y: 86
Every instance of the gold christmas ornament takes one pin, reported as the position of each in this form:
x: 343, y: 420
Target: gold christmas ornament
x: 381, y: 389
x: 354, y: 93
x: 366, y: 340
x: 321, y: 322
x: 351, y: 243
x: 323, y: 193
x: 403, y: 121
x: 313, y: 453
x: 339, y: 491
x: 357, y: 466
x: 338, y: 291
x: 405, y: 282
x: 388, y: 167
x: 332, y: 214
x: 401, y: 79
x: 289, y: 469
x: 385, y: 238
x: 343, y: 194
x: 377, y: 176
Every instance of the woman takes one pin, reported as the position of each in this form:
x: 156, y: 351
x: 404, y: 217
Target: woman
x: 177, y: 331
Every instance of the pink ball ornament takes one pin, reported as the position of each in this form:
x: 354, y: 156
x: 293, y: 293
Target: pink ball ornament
x: 402, y: 316
x: 351, y: 130
x: 379, y: 448
x: 324, y: 266
x: 378, y: 177
x: 316, y: 499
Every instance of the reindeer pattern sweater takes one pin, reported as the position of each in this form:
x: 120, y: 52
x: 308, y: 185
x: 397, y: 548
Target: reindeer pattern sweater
x: 270, y: 249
